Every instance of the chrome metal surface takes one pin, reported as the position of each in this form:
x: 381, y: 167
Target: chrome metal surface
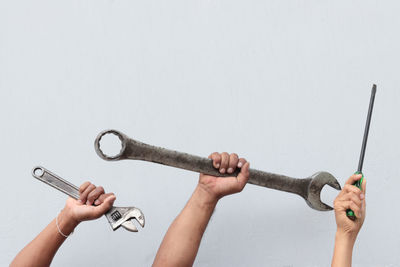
x: 116, y: 216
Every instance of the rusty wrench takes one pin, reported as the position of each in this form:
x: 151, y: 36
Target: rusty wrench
x: 116, y: 216
x: 308, y: 188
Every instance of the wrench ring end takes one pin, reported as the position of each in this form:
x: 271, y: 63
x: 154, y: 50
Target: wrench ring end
x: 101, y: 153
x: 37, y: 171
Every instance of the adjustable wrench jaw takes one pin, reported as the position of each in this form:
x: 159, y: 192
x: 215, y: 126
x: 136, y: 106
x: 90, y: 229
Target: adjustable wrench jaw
x: 123, y: 216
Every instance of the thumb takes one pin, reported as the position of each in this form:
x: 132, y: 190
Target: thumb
x: 244, y: 174
x: 105, y: 206
x: 354, y: 178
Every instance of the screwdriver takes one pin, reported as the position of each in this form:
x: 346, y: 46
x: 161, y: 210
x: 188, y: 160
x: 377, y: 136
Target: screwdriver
x: 358, y: 184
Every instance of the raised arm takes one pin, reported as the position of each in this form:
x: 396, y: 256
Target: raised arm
x: 182, y: 240
x: 41, y: 250
x: 347, y: 230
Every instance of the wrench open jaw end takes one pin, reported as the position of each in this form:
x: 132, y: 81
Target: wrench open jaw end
x: 136, y: 215
x: 130, y: 226
x: 318, y: 181
x: 124, y: 216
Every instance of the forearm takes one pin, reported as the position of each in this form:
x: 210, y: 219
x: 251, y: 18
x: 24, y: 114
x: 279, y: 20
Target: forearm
x: 342, y: 256
x: 41, y: 250
x: 182, y: 240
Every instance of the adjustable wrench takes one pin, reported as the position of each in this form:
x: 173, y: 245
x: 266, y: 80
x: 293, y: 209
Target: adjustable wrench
x: 308, y: 188
x: 116, y: 216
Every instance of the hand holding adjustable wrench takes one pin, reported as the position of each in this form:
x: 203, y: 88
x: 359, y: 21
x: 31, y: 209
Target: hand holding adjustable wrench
x: 308, y: 188
x: 116, y: 216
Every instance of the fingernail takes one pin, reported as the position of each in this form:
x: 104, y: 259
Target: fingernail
x: 87, y: 202
x: 230, y: 170
x: 240, y: 164
x: 362, y: 196
x: 222, y: 170
x: 97, y: 202
x: 80, y: 201
x: 217, y: 165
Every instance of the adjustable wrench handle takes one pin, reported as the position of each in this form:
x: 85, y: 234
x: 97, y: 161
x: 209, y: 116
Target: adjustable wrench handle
x: 132, y: 149
x: 116, y: 216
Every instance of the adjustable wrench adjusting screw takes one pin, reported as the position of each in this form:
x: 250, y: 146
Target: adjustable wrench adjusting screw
x: 116, y: 215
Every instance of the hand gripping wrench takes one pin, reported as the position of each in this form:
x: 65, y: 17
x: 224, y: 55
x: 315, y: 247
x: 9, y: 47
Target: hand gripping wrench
x: 308, y: 188
x: 116, y: 216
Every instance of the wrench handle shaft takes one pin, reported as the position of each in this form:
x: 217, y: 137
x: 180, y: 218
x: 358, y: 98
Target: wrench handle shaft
x: 204, y: 165
x: 55, y: 181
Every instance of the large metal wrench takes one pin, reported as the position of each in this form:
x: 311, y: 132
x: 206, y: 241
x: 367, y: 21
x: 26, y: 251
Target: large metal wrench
x: 308, y: 188
x: 116, y: 216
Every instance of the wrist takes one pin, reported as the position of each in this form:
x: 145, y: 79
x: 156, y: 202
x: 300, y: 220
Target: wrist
x: 66, y: 222
x: 204, y: 198
x: 345, y: 237
x: 343, y: 253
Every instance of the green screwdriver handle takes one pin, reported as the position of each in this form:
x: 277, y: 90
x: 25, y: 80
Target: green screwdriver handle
x: 358, y: 184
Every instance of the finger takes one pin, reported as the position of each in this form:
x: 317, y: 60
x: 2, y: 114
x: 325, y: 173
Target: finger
x: 94, y: 195
x: 83, y: 187
x: 243, y: 176
x: 216, y: 157
x: 233, y: 162
x: 224, y: 162
x: 102, y: 197
x: 351, y: 205
x: 241, y: 162
x: 83, y: 196
x: 104, y: 207
x: 354, y: 178
x: 356, y: 209
x: 355, y: 198
x: 351, y: 189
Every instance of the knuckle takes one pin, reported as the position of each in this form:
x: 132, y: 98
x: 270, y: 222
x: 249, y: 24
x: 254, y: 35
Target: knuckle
x: 91, y: 196
x: 347, y: 187
x: 83, y: 186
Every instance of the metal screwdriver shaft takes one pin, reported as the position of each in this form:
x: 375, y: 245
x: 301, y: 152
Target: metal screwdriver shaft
x: 366, y: 131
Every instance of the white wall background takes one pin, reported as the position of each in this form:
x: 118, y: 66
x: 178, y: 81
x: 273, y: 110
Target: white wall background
x: 284, y: 83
